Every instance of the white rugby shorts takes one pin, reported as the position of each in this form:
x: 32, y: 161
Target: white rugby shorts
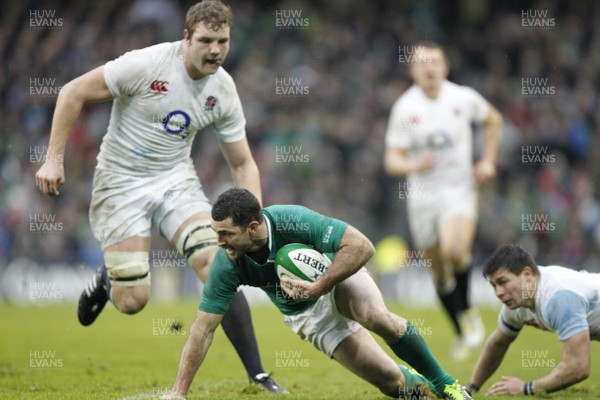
x: 123, y: 206
x: 322, y: 324
x: 428, y: 213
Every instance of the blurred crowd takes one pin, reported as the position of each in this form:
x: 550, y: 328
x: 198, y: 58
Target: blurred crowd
x: 317, y: 80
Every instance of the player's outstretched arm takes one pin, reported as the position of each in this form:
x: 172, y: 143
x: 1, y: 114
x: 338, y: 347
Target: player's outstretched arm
x: 573, y: 368
x: 86, y: 88
x: 243, y: 167
x: 485, y: 169
x: 490, y: 358
x: 194, y: 352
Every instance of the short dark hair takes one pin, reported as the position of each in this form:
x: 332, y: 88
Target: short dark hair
x: 511, y: 257
x: 213, y: 13
x: 430, y: 44
x: 239, y: 204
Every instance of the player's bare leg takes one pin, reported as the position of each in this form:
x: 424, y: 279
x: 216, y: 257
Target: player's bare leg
x: 360, y: 354
x: 130, y: 299
x: 359, y: 298
x: 237, y: 322
x: 456, y: 241
x: 124, y: 279
x: 445, y: 284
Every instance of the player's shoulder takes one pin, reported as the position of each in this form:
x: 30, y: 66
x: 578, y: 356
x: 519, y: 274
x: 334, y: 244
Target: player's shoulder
x: 289, y: 215
x: 223, y: 80
x: 454, y: 87
x: 280, y: 209
x: 408, y: 95
x: 156, y: 53
x: 149, y: 58
x: 555, y: 278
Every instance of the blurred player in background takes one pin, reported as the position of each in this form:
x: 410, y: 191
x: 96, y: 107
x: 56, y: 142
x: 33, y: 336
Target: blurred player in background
x: 333, y: 312
x: 551, y: 298
x: 145, y: 176
x: 429, y: 139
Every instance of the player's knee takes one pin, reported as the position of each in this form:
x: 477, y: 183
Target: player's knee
x: 197, y: 243
x: 132, y: 300
x: 129, y: 273
x: 455, y: 256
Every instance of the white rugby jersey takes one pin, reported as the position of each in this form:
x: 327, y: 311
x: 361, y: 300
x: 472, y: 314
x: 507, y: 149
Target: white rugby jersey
x: 567, y: 302
x: 157, y: 110
x: 443, y: 126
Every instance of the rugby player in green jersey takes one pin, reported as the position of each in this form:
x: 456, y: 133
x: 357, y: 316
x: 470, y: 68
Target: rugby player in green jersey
x: 334, y: 312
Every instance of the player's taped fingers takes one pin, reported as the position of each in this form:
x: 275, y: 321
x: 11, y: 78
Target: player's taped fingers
x: 128, y: 268
x: 195, y: 238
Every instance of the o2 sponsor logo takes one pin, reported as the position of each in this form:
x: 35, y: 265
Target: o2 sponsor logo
x: 177, y: 123
x: 438, y: 140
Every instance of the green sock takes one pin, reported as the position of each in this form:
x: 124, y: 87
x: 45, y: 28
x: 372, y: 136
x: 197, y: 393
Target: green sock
x: 412, y: 348
x: 412, y: 379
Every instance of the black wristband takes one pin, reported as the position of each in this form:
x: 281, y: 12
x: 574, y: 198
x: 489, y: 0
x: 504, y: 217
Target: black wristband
x: 528, y: 388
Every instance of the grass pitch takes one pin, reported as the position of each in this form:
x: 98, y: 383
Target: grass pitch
x: 46, y: 354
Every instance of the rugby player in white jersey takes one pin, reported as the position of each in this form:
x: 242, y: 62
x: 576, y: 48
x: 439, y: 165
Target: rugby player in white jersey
x: 429, y: 139
x: 551, y: 298
x: 162, y: 95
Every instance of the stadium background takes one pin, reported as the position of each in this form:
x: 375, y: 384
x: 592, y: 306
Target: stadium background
x: 343, y: 60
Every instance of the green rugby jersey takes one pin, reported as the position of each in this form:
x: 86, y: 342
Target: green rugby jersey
x: 286, y: 224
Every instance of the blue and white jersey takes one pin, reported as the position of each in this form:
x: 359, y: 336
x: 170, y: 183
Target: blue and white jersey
x: 442, y: 125
x: 157, y: 110
x: 567, y: 302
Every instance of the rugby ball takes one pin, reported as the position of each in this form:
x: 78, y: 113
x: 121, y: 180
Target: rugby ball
x: 300, y: 261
